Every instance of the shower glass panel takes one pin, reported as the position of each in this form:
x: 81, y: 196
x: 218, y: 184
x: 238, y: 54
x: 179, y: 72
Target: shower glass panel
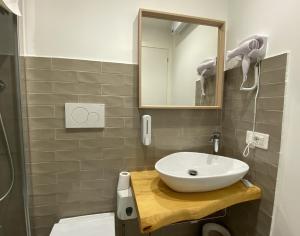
x: 13, y: 210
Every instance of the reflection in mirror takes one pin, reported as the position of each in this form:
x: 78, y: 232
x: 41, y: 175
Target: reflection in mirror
x: 178, y: 63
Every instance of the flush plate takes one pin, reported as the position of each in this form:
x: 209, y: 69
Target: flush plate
x: 84, y: 115
x: 260, y: 140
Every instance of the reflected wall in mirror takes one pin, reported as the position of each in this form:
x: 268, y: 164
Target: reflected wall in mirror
x: 180, y: 61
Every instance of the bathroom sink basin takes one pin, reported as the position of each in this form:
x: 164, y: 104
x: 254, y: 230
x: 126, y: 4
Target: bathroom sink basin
x: 199, y: 172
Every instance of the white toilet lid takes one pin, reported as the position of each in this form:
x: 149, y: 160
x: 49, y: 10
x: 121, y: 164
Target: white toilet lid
x: 87, y: 218
x: 92, y: 225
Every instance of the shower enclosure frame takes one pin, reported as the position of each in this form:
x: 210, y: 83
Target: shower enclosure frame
x: 20, y: 117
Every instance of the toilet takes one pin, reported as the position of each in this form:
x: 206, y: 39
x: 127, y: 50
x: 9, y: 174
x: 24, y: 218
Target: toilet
x: 213, y: 229
x: 89, y: 225
x: 100, y: 224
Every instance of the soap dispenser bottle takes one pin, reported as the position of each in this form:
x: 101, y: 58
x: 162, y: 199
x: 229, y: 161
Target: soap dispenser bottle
x: 146, y: 130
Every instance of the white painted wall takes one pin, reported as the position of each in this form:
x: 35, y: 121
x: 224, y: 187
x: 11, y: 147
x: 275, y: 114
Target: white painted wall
x: 280, y: 20
x: 154, y: 84
x: 156, y: 36
x: 190, y: 48
x: 156, y: 33
x: 98, y: 29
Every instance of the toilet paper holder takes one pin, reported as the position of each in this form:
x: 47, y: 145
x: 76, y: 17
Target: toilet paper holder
x: 126, y: 209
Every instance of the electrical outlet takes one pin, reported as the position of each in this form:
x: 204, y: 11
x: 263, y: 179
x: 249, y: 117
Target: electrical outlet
x: 259, y: 140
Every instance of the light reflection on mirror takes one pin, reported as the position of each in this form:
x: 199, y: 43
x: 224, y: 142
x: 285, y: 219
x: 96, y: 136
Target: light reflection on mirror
x: 178, y: 63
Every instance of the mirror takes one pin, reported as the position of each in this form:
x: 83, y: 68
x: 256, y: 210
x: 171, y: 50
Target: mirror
x: 181, y: 62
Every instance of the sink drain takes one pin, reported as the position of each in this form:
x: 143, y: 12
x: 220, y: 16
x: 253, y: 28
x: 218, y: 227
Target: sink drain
x: 193, y: 172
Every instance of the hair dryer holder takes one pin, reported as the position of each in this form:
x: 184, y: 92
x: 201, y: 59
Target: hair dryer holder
x: 254, y: 55
x: 260, y: 53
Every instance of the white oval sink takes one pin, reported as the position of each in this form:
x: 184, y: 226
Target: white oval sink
x: 199, y: 172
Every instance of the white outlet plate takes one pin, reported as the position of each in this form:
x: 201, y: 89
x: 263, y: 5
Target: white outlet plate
x: 84, y: 115
x: 261, y: 140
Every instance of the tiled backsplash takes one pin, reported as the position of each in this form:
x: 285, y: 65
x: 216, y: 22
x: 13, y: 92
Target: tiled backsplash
x: 255, y: 218
x: 75, y: 172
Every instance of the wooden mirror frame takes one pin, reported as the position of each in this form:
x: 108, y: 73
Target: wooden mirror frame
x: 220, y: 61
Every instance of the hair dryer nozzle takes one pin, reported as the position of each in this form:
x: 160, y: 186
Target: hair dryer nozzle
x: 207, y: 66
x: 245, y: 66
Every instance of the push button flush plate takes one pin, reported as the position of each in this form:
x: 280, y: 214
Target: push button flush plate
x: 84, y: 115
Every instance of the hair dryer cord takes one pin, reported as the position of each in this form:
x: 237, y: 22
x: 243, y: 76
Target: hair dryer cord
x: 257, y: 79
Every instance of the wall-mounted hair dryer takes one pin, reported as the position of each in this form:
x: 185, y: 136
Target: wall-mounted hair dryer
x: 250, y: 50
x: 205, y: 69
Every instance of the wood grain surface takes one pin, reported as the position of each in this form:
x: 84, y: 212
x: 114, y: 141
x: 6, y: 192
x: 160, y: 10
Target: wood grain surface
x: 159, y: 206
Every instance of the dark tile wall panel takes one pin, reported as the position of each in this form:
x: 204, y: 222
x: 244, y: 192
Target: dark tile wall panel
x: 237, y: 117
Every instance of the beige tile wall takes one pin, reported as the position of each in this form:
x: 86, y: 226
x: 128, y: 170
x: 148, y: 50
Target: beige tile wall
x: 255, y: 218
x: 74, y: 172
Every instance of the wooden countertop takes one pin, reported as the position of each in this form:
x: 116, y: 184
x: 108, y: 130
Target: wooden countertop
x: 159, y: 206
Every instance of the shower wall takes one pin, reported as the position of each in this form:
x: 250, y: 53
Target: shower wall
x: 12, y: 211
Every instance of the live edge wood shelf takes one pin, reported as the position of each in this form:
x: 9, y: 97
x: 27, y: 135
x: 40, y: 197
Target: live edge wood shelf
x: 159, y: 206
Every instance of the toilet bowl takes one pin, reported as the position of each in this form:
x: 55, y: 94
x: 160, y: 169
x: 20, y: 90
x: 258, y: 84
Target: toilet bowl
x: 212, y: 229
x: 89, y: 225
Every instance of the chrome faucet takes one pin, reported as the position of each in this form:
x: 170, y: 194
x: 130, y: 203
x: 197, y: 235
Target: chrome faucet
x: 215, y: 140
